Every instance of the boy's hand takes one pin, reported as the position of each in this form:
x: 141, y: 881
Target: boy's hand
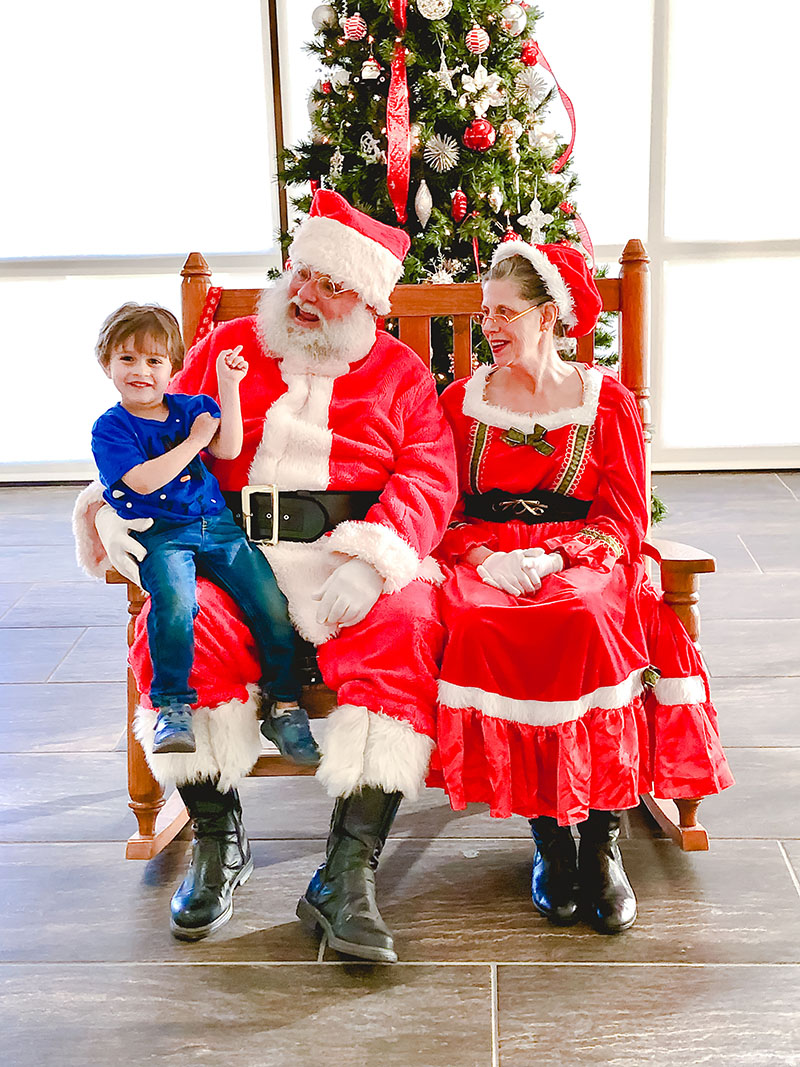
x: 203, y: 429
x: 231, y: 366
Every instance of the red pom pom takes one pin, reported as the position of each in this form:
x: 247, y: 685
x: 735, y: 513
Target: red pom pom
x: 479, y: 135
x: 326, y: 88
x: 458, y: 208
x: 530, y: 53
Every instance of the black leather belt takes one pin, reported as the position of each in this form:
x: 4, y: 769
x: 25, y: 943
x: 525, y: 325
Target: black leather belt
x: 303, y: 515
x: 536, y: 506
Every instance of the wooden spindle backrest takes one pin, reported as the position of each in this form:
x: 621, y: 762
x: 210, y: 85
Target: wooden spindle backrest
x: 413, y: 306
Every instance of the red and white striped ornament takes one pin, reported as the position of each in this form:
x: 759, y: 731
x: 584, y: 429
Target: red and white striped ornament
x: 477, y: 40
x: 458, y: 207
x: 355, y: 28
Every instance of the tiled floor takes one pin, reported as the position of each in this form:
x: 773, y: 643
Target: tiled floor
x: 90, y: 976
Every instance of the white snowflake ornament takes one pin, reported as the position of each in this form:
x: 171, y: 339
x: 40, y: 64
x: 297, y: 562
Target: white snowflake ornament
x: 441, y: 152
x: 337, y: 163
x: 530, y: 87
x: 370, y: 149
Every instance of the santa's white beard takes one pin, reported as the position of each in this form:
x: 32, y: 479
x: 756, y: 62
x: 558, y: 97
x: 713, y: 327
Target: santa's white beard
x: 327, y: 349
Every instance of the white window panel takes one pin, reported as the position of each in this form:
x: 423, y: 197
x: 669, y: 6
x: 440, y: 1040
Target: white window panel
x: 601, y: 55
x: 730, y: 134
x: 135, y: 128
x: 730, y: 378
x: 299, y: 70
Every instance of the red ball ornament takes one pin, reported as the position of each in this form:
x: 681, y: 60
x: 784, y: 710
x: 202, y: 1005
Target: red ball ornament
x: 477, y: 40
x: 479, y: 135
x: 530, y: 53
x: 326, y: 88
x: 510, y: 235
x: 355, y: 27
x: 458, y: 208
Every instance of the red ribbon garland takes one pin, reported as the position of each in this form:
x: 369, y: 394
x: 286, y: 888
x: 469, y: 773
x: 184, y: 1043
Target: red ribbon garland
x: 568, y: 107
x: 398, y: 126
x: 586, y: 240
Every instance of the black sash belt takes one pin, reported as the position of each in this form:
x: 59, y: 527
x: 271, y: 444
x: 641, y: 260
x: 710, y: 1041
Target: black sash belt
x: 536, y: 506
x: 303, y: 515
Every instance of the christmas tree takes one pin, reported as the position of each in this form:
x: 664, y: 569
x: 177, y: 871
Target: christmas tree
x: 431, y: 114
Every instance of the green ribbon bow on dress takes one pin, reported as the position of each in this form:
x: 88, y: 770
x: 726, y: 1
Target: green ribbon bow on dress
x: 535, y: 440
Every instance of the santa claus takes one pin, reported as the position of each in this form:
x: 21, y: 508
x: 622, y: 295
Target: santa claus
x: 343, y: 435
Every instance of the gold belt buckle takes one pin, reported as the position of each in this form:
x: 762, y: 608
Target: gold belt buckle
x: 274, y: 492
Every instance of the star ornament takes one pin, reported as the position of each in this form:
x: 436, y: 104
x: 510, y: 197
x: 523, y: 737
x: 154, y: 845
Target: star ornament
x: 441, y: 152
x: 486, y: 88
x: 444, y: 76
x: 536, y: 220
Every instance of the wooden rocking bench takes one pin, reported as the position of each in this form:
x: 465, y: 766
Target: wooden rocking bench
x: 413, y: 306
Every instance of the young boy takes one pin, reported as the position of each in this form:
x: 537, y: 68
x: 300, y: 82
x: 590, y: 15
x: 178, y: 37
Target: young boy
x: 147, y: 450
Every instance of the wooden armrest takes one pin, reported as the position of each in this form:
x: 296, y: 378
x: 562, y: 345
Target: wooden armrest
x: 679, y: 558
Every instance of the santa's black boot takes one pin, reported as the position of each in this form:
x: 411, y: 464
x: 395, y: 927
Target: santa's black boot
x: 221, y: 861
x: 554, y: 881
x: 605, y: 890
x: 341, y: 896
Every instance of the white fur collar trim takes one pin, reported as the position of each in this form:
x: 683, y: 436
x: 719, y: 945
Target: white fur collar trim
x: 477, y: 407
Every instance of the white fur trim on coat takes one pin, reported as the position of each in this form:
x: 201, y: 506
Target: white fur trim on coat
x: 670, y: 691
x: 477, y: 407
x: 364, y: 748
x: 350, y: 257
x: 540, y: 712
x: 381, y: 546
x: 295, y: 448
x: 553, y: 282
x: 228, y: 743
x: 89, y: 551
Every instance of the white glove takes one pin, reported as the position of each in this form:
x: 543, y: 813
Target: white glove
x: 124, y: 551
x: 520, y: 571
x: 349, y: 593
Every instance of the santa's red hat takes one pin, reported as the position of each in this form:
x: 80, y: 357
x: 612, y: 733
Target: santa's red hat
x: 364, y: 254
x: 566, y: 277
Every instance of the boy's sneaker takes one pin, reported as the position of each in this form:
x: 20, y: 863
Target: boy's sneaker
x: 174, y: 729
x: 291, y: 732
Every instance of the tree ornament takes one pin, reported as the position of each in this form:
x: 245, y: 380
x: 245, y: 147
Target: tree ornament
x: 337, y: 163
x: 530, y: 53
x: 536, y: 220
x: 355, y: 28
x: 423, y: 203
x: 477, y: 40
x: 510, y: 235
x: 339, y: 78
x: 495, y: 198
x: 444, y: 75
x: 487, y: 90
x: 441, y: 152
x: 458, y: 206
x: 515, y: 19
x: 567, y: 208
x: 480, y: 135
x: 370, y: 69
x: 434, y: 9
x: 370, y: 149
x: 326, y: 87
x: 415, y: 138
x: 323, y: 17
x: 530, y: 87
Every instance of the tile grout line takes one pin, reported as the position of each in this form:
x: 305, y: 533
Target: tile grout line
x: 789, y: 866
x: 788, y: 488
x: 750, y: 554
x: 495, y: 1025
x: 71, y: 649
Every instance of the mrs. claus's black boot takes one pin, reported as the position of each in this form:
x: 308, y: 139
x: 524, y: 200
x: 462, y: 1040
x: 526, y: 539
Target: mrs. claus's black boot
x: 554, y: 881
x: 221, y: 861
x: 606, y: 892
x: 341, y: 896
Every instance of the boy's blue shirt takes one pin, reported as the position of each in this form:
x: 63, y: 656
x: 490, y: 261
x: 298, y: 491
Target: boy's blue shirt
x: 121, y: 441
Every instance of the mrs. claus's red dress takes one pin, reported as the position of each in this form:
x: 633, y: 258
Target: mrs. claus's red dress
x: 549, y: 704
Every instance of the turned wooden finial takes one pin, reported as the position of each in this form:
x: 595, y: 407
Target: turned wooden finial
x: 196, y: 282
x: 635, y: 336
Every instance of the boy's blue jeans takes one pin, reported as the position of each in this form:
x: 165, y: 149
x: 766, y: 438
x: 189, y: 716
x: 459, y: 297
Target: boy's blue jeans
x: 215, y: 548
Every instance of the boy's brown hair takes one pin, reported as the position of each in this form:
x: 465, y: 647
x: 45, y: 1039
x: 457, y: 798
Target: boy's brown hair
x: 140, y: 321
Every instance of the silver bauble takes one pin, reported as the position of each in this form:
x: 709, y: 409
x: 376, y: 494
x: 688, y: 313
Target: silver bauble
x: 339, y: 79
x: 423, y: 203
x: 324, y: 15
x: 515, y: 20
